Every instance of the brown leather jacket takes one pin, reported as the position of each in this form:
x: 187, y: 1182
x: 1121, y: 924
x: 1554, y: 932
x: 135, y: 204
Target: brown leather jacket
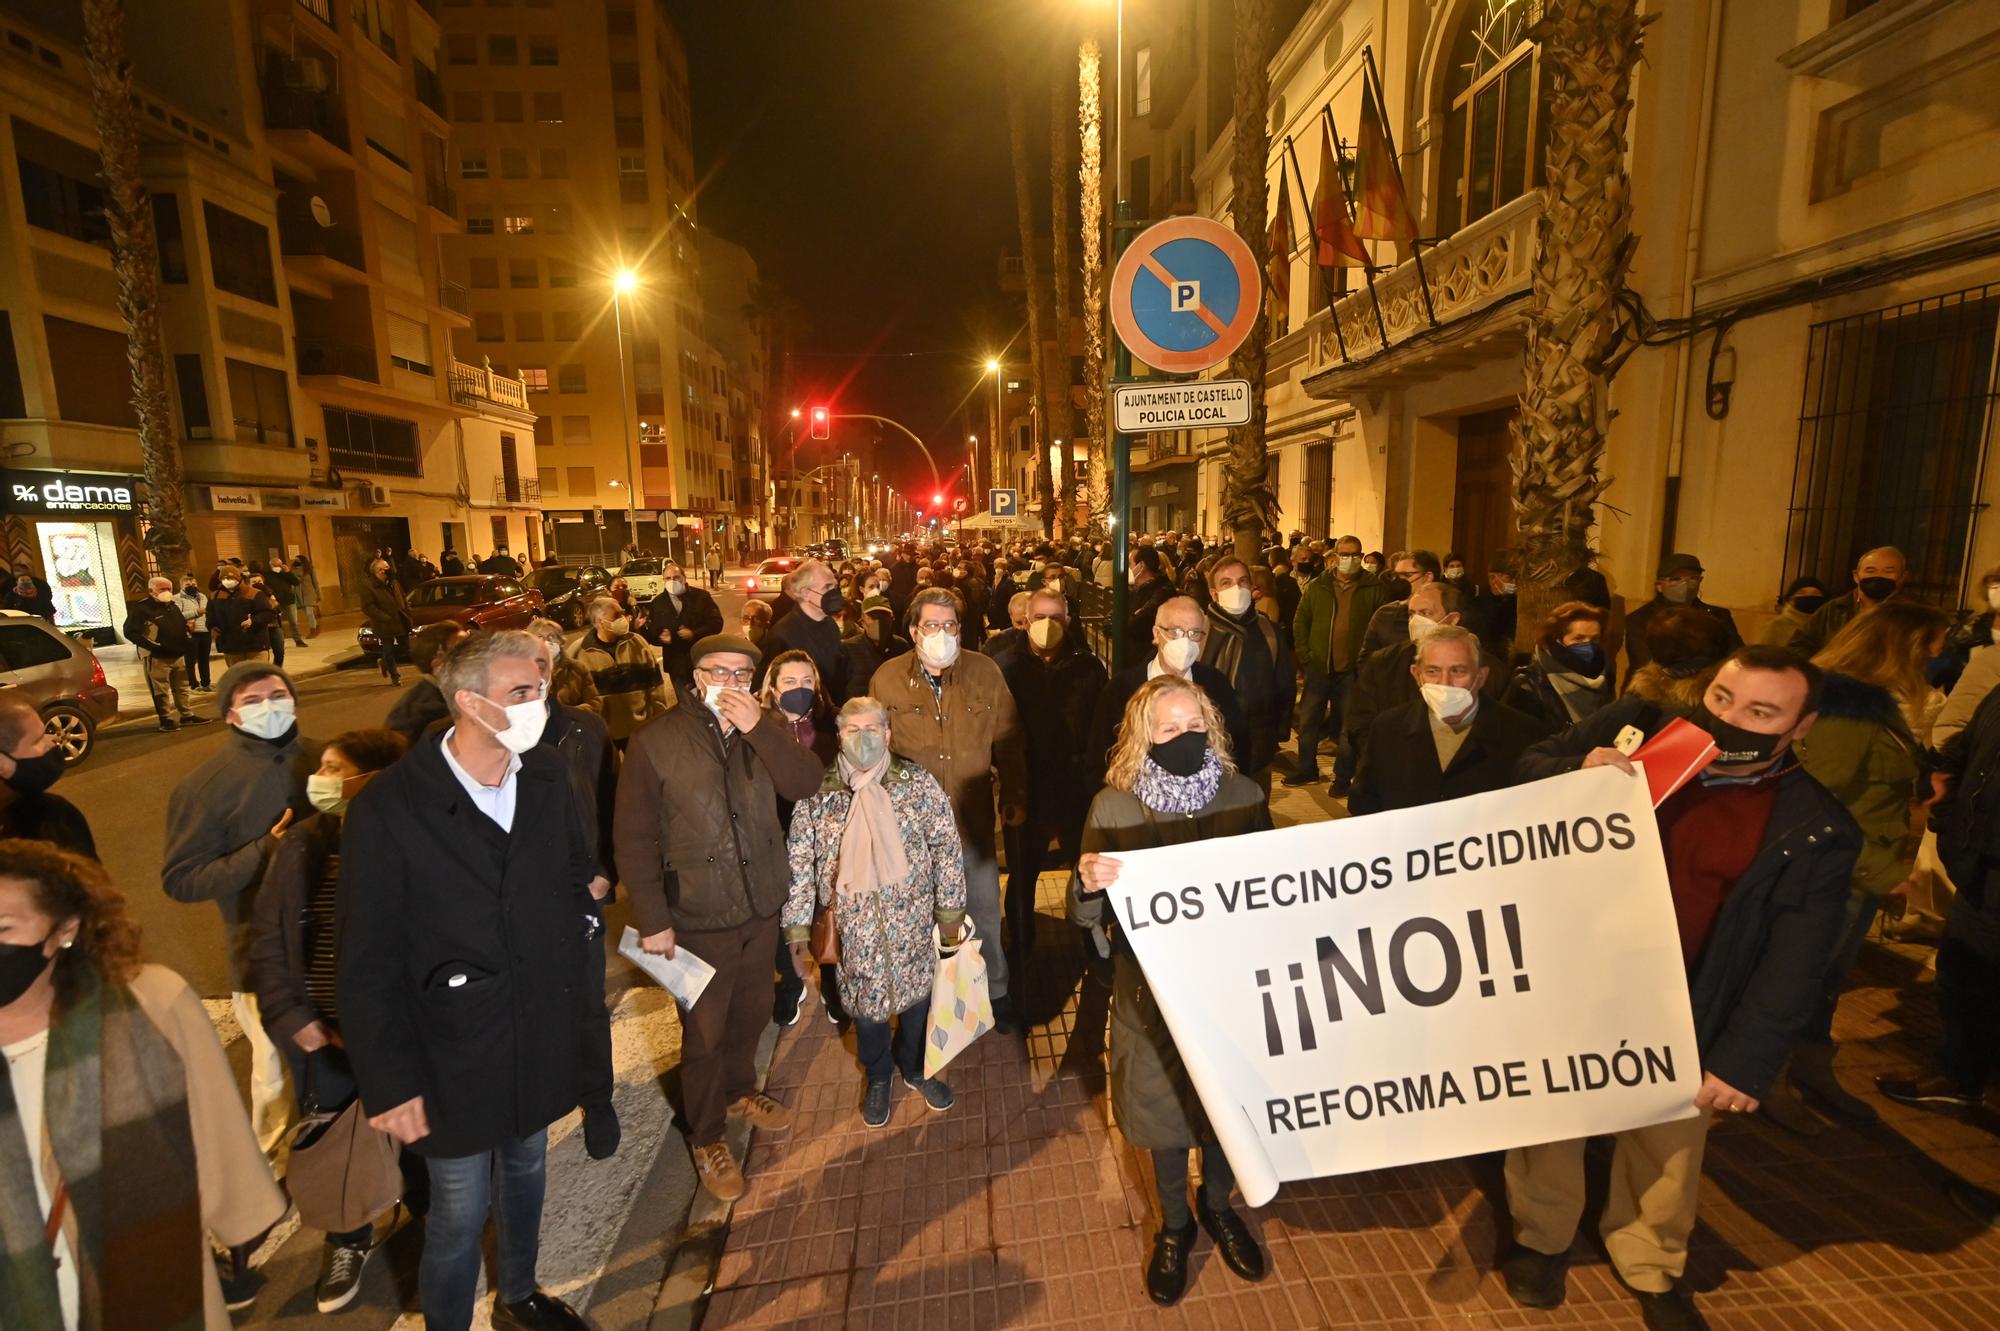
x: 696, y: 831
x: 962, y: 738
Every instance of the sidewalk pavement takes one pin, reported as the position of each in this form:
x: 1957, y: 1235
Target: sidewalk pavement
x: 1023, y: 1206
x: 332, y: 648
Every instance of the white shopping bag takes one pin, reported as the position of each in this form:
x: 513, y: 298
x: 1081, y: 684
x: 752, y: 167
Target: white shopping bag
x: 961, y: 1010
x: 684, y: 975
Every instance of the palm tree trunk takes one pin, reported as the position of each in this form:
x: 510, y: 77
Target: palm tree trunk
x: 1024, y: 209
x: 1062, y: 420
x: 1583, y: 248
x: 135, y: 263
x: 1249, y: 506
x: 1090, y: 112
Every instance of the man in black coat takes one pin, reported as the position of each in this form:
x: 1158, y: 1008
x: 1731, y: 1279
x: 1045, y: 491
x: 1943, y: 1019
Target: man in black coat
x: 160, y: 631
x: 676, y: 619
x: 810, y: 626
x: 878, y: 643
x: 1151, y: 588
x: 1679, y: 583
x: 1759, y: 857
x: 1446, y: 744
x: 1256, y: 658
x: 1386, y: 679
x: 1055, y: 683
x: 30, y: 763
x: 465, y: 919
x: 30, y: 595
x: 1179, y: 630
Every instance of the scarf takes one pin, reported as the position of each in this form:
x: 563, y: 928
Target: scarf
x: 1163, y: 792
x: 116, y: 1113
x: 871, y: 844
x: 1580, y: 694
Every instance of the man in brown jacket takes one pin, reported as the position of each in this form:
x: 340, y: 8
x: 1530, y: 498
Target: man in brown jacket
x: 952, y: 715
x: 700, y: 847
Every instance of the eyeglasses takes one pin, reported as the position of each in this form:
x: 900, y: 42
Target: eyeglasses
x: 1192, y: 635
x: 729, y: 676
x: 932, y: 630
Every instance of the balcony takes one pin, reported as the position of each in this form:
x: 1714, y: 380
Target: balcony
x: 454, y: 298
x: 319, y: 9
x: 348, y: 360
x: 479, y: 388
x: 429, y: 90
x: 302, y: 237
x: 441, y: 196
x: 310, y: 122
x: 517, y: 490
x: 1482, y: 266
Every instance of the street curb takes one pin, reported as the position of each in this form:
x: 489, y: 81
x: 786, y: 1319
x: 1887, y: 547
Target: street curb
x: 146, y: 712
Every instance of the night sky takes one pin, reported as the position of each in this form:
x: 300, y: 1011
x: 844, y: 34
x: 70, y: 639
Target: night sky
x: 858, y: 148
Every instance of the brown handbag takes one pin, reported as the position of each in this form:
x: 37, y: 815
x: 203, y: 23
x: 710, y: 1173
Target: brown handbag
x: 343, y: 1172
x: 825, y: 941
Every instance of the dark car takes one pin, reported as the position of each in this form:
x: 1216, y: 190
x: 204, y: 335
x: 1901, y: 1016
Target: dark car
x: 61, y: 676
x: 477, y: 600
x: 566, y: 591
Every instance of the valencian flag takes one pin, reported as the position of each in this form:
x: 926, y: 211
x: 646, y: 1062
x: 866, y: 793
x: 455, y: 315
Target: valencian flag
x: 1278, y: 268
x: 1383, y: 212
x: 1338, y: 245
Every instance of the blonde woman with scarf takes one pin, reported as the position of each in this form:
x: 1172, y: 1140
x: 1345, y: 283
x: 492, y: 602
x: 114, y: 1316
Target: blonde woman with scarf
x: 878, y: 845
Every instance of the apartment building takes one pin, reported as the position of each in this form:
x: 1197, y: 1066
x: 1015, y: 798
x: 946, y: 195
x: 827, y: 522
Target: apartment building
x: 728, y: 289
x: 318, y: 412
x: 573, y: 164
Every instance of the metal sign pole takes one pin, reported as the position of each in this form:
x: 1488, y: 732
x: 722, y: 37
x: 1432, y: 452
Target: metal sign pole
x: 1122, y: 232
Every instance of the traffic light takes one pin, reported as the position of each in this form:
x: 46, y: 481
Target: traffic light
x: 696, y: 524
x: 822, y: 423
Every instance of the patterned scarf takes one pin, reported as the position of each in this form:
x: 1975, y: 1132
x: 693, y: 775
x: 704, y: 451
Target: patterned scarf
x: 1163, y: 792
x: 1580, y: 693
x: 871, y: 844
x: 116, y: 1113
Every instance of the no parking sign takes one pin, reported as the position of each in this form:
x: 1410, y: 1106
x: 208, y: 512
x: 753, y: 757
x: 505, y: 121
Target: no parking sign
x: 1185, y: 294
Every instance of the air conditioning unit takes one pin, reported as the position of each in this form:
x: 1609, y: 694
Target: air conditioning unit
x: 375, y: 496
x: 307, y: 73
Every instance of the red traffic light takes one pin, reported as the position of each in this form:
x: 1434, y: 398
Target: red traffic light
x: 822, y: 423
x: 696, y: 524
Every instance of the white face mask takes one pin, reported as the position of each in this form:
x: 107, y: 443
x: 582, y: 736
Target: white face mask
x: 523, y: 730
x: 1454, y: 573
x: 230, y: 584
x: 1348, y: 564
x: 328, y: 794
x: 1420, y: 625
x: 1045, y: 633
x: 1056, y: 585
x: 1177, y: 654
x: 675, y: 586
x: 266, y: 718
x: 1448, y: 702
x: 937, y: 650
x: 1993, y: 596
x: 1235, y: 600
x: 163, y: 596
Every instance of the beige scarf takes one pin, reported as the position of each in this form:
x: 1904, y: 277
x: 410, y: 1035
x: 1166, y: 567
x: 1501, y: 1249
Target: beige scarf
x: 871, y: 845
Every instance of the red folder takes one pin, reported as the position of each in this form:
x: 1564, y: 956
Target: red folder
x: 1675, y: 756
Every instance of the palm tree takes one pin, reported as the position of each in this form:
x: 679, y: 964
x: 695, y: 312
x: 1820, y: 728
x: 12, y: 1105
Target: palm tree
x: 1090, y: 114
x: 780, y: 321
x: 1583, y: 248
x: 1024, y: 209
x: 1062, y: 414
x: 135, y: 263
x: 1249, y: 507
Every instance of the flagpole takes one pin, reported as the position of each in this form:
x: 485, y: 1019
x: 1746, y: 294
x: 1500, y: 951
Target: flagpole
x: 1368, y: 270
x: 1396, y: 163
x: 1312, y: 230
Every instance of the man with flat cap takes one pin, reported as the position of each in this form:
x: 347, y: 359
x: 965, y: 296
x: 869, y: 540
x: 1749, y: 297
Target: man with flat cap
x: 1679, y: 583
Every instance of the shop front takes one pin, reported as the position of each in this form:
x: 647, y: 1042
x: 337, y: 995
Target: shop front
x: 1164, y: 500
x: 80, y: 530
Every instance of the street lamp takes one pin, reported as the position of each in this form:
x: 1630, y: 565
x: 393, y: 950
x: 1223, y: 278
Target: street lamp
x: 994, y: 368
x: 623, y: 283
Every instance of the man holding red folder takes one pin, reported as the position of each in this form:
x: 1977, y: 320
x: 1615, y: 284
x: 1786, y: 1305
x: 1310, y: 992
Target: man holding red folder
x: 1758, y: 857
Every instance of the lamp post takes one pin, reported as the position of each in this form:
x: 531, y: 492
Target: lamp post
x: 994, y: 368
x: 623, y: 284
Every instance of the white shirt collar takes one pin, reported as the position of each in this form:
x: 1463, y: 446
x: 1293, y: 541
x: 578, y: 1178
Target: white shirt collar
x: 473, y: 785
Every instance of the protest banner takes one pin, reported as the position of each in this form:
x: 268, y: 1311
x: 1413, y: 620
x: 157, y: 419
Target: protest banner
x: 1422, y: 984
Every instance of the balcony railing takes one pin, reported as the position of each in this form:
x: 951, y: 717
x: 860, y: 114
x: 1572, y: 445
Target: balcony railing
x: 429, y: 90
x: 319, y: 9
x: 517, y: 490
x: 454, y: 298
x: 302, y: 108
x: 440, y: 195
x: 352, y: 360
x: 474, y: 385
x: 301, y: 235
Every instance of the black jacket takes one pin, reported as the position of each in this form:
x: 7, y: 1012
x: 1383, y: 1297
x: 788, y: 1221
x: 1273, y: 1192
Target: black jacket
x: 817, y: 638
x: 1118, y: 691
x: 1057, y: 700
x: 382, y: 605
x: 421, y: 707
x: 45, y: 817
x: 698, y: 614
x: 1967, y: 819
x: 241, y: 623
x: 159, y: 629
x: 1637, y: 653
x: 1756, y: 984
x: 1141, y: 608
x: 39, y: 602
x: 1262, y: 673
x: 462, y: 964
x: 1383, y: 682
x: 1399, y: 767
x: 864, y: 656
x: 580, y: 738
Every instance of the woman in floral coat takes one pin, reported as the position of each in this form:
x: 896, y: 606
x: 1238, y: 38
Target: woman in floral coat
x: 879, y: 845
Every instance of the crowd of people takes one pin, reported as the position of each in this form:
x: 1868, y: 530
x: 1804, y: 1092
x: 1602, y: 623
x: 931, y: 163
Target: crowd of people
x: 827, y: 787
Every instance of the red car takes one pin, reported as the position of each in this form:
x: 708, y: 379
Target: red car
x: 477, y: 600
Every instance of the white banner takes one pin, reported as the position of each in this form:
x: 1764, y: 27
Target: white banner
x: 1424, y: 984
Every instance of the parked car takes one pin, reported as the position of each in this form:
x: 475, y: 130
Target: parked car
x: 643, y: 579
x: 566, y: 591
x: 61, y: 676
x: 767, y: 583
x: 477, y: 600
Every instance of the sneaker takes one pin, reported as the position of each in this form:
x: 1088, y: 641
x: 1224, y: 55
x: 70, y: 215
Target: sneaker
x: 340, y: 1267
x: 241, y: 1283
x: 1535, y: 1279
x: 718, y: 1171
x: 785, y: 1008
x: 600, y: 1131
x: 875, y: 1104
x: 1673, y: 1310
x: 1932, y: 1092
x: 763, y: 1112
x: 169, y: 725
x: 936, y: 1094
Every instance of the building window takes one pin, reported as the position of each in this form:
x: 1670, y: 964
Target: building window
x: 583, y: 482
x: 624, y: 76
x: 1142, y: 81
x: 507, y: 107
x: 527, y: 325
x: 571, y: 379
x: 521, y: 273
x: 551, y: 479
x: 629, y: 132
x: 576, y: 430
x: 1492, y: 105
x: 555, y: 164
x: 466, y: 107
x: 489, y: 326
x: 548, y: 108
x: 545, y: 432
x: 260, y: 402
x: 536, y: 377
x: 167, y: 231
x: 503, y: 48
x: 188, y: 380
x: 543, y: 51
x: 562, y: 273
x: 471, y: 163
x: 409, y: 344
x: 1891, y: 437
x: 513, y: 163
x: 478, y: 224
x: 372, y: 443
x: 239, y: 252
x: 568, y: 326
x: 621, y: 21
x: 484, y: 272
x: 518, y: 226
x: 632, y: 187
x: 461, y: 48
x: 558, y: 219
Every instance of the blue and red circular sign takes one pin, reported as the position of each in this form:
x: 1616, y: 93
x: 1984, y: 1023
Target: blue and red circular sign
x: 1185, y: 294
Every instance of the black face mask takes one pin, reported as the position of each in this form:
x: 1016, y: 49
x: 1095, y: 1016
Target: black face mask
x: 32, y: 776
x: 833, y: 602
x: 1877, y: 589
x: 21, y: 964
x: 1182, y: 755
x: 1807, y: 603
x: 1739, y: 746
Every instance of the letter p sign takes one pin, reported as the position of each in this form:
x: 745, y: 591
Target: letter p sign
x: 1186, y: 296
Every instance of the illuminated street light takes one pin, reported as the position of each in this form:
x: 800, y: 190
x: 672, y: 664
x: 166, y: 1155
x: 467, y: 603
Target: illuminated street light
x: 625, y: 282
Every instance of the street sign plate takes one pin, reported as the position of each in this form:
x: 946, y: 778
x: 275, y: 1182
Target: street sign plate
x: 1191, y: 405
x: 1185, y: 294
x: 597, y: 514
x: 958, y: 504
x: 1003, y: 503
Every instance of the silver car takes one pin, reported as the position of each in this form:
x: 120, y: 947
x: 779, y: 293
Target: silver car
x: 61, y: 676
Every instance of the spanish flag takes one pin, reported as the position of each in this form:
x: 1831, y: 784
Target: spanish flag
x: 1384, y: 211
x: 1278, y: 268
x: 1338, y: 245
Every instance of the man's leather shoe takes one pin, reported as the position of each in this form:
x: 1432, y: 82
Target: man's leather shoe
x: 537, y: 1312
x: 1536, y: 1279
x: 1233, y: 1240
x: 1671, y: 1311
x: 1931, y: 1092
x: 1166, y: 1273
x: 1302, y: 779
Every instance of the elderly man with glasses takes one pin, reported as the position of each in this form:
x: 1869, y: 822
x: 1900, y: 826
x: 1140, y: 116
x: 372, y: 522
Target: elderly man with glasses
x: 1180, y: 637
x: 700, y: 848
